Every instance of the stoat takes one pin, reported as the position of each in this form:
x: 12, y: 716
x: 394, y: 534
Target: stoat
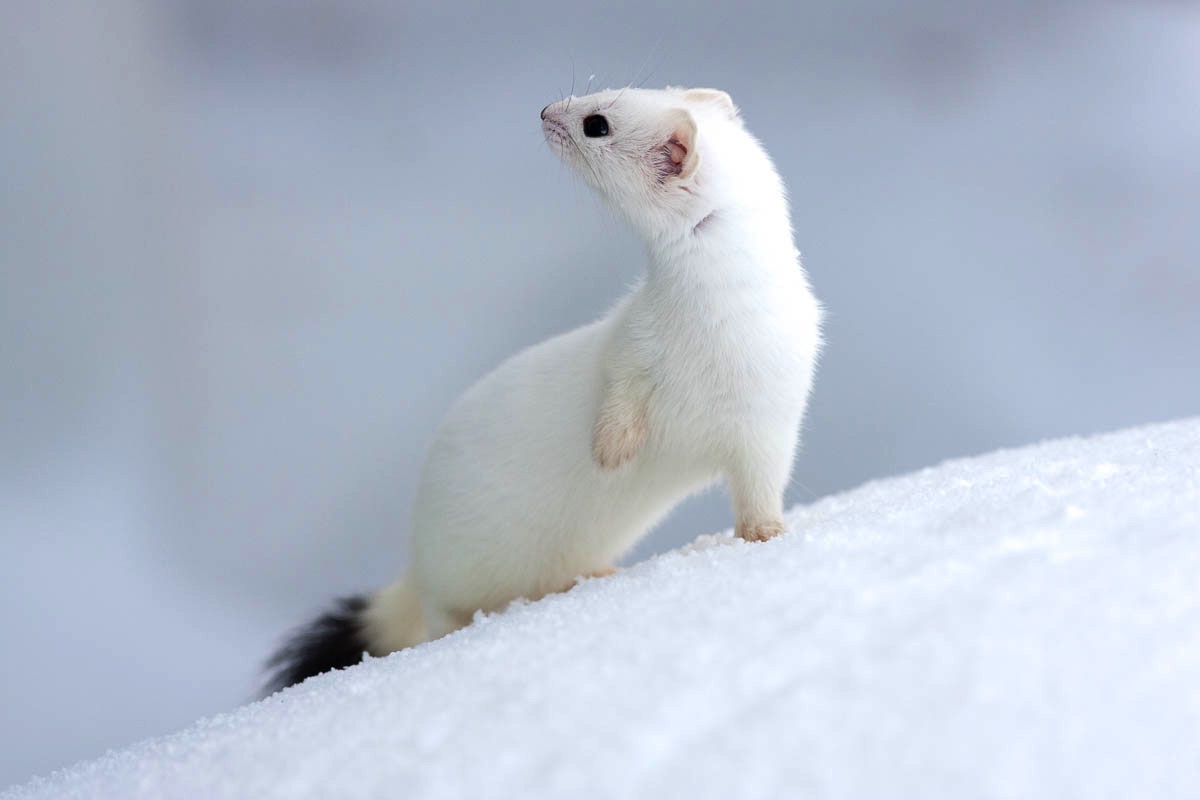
x: 553, y: 465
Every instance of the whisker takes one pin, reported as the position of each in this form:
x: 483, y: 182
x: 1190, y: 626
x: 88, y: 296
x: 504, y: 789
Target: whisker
x: 583, y: 157
x: 618, y: 97
x: 572, y: 83
x: 646, y: 63
x: 794, y: 481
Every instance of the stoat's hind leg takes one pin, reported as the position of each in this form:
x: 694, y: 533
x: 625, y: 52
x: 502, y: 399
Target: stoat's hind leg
x: 602, y: 572
x: 441, y: 621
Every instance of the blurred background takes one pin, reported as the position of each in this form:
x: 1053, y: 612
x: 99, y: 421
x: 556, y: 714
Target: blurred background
x: 250, y: 250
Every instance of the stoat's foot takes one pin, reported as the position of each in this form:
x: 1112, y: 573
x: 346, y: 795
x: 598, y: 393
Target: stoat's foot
x: 603, y: 572
x: 617, y: 439
x: 760, y: 531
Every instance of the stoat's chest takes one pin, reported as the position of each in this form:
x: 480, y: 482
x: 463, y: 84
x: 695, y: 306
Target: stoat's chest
x: 734, y: 350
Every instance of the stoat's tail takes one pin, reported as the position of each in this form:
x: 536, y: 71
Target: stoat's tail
x: 386, y: 621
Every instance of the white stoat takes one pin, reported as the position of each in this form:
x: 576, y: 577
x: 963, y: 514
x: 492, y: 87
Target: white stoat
x: 556, y: 463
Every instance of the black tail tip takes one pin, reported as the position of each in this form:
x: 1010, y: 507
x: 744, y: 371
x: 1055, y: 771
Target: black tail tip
x: 333, y: 640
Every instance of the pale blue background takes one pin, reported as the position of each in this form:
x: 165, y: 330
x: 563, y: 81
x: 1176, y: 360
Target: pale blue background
x: 252, y: 249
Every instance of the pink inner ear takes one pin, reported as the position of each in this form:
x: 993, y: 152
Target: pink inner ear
x: 673, y: 153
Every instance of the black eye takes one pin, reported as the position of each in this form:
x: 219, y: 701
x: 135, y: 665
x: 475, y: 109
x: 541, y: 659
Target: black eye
x: 594, y: 126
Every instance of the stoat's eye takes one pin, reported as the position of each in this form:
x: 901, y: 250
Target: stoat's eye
x: 595, y: 126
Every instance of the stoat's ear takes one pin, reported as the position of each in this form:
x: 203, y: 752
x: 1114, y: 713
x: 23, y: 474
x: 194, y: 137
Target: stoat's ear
x: 679, y: 156
x: 712, y: 97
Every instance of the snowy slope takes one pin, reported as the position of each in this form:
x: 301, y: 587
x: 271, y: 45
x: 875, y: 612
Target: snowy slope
x: 1024, y: 624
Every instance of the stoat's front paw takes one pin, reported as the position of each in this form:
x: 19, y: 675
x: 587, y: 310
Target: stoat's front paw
x: 616, y: 440
x: 760, y: 531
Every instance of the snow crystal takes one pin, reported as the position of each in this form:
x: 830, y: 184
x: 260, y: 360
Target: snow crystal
x: 1024, y: 624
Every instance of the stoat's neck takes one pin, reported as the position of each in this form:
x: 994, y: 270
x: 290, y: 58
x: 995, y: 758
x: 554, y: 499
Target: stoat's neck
x: 726, y: 246
x: 730, y: 227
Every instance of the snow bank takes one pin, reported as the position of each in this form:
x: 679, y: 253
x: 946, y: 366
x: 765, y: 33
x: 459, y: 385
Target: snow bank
x: 1024, y: 624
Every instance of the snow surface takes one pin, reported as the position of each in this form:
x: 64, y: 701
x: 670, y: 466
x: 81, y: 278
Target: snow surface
x: 1023, y: 624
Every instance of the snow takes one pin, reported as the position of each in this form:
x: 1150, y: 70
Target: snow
x: 1022, y: 624
x: 245, y: 270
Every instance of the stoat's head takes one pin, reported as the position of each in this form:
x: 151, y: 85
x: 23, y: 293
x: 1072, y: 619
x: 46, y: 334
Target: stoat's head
x: 647, y: 152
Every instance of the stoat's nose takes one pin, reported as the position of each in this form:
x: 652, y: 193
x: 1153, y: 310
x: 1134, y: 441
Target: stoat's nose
x: 544, y: 110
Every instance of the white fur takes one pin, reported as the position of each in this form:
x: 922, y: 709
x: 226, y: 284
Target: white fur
x: 702, y: 372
